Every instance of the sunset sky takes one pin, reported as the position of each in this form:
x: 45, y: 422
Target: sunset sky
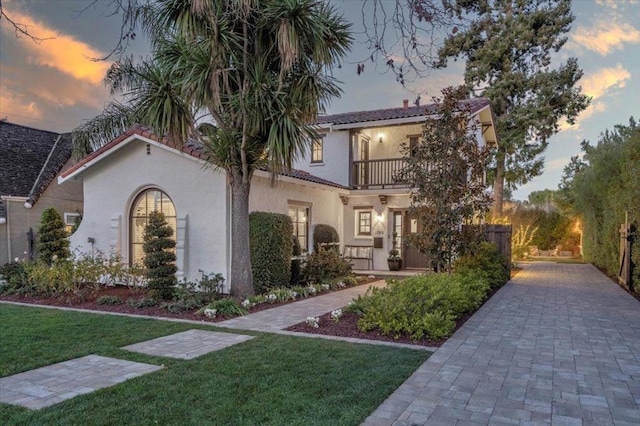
x: 54, y: 86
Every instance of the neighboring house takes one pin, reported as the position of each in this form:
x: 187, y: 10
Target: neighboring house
x: 30, y: 161
x: 345, y: 181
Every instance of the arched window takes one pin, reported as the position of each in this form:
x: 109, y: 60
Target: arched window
x: 146, y: 202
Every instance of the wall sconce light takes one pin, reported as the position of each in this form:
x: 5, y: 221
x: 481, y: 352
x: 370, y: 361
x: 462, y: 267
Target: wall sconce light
x: 380, y: 137
x: 379, y: 218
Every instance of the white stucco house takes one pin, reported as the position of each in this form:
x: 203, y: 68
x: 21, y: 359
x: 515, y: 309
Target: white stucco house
x: 345, y: 180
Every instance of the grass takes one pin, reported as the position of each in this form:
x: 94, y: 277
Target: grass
x: 270, y: 380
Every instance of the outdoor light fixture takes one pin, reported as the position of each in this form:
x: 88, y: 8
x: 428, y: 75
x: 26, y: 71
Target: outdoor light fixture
x: 380, y: 137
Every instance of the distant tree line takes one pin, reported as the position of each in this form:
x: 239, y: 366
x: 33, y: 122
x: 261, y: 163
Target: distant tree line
x: 601, y: 188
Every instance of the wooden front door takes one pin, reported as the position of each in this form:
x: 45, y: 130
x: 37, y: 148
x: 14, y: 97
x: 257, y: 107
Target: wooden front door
x: 412, y: 258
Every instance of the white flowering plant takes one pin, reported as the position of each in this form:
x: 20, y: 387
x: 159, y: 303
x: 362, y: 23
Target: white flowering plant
x: 336, y: 315
x: 313, y: 322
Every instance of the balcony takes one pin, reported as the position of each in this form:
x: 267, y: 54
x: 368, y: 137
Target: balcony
x: 377, y: 174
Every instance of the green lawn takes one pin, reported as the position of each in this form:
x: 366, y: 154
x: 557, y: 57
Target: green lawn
x: 271, y: 379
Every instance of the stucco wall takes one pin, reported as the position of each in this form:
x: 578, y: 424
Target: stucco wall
x: 325, y: 204
x: 393, y: 137
x: 380, y: 228
x: 335, y: 165
x: 199, y: 196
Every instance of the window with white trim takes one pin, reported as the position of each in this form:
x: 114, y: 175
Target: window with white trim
x: 317, y: 149
x: 364, y: 223
x: 300, y: 218
x: 71, y: 220
x: 146, y: 202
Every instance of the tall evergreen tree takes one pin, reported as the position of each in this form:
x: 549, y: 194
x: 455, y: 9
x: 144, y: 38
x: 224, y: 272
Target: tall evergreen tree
x: 258, y: 67
x: 508, y: 48
x: 52, y: 239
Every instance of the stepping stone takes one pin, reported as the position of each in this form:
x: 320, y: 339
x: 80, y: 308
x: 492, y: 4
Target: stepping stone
x: 55, y: 383
x: 188, y: 344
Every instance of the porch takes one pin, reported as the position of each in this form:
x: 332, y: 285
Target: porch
x: 377, y: 174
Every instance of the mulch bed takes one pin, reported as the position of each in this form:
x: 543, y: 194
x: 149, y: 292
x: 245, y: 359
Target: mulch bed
x: 347, y: 326
x: 88, y: 301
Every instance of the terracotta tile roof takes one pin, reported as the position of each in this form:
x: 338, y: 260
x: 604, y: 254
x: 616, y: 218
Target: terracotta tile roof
x: 30, y: 159
x: 302, y: 175
x: 473, y: 105
x: 191, y: 147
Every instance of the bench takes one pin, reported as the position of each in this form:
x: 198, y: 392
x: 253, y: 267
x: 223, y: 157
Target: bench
x: 359, y: 253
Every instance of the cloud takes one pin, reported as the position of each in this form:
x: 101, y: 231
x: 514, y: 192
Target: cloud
x: 613, y: 4
x: 598, y: 84
x: 557, y: 164
x: 62, y: 52
x: 606, y: 36
x: 15, y: 103
x: 593, y: 108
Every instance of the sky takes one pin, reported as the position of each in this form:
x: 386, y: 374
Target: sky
x: 53, y: 85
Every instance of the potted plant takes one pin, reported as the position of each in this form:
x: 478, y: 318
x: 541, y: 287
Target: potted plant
x: 394, y: 260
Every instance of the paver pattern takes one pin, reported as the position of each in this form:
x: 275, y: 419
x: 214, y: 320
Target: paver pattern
x: 272, y: 320
x: 559, y: 344
x: 188, y: 344
x: 55, y: 383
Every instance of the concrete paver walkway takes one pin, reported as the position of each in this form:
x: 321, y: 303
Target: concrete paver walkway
x: 275, y: 319
x: 188, y: 344
x: 55, y: 383
x: 559, y: 344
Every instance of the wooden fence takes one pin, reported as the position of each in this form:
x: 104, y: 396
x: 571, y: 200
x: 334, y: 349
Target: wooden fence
x: 500, y: 235
x: 625, y: 270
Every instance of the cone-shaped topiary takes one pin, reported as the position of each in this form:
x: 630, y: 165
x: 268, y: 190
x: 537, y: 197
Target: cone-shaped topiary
x: 159, y: 256
x: 52, y: 241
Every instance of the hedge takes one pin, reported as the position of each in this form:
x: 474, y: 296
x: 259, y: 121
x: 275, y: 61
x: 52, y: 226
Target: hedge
x: 271, y: 248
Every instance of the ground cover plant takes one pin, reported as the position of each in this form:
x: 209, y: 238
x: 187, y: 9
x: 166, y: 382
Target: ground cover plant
x: 271, y: 379
x: 429, y: 306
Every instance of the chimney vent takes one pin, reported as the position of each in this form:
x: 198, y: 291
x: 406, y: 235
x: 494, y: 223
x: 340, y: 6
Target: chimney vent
x: 405, y: 103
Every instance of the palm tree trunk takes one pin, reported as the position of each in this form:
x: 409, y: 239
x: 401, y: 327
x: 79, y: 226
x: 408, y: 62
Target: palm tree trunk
x: 241, y: 277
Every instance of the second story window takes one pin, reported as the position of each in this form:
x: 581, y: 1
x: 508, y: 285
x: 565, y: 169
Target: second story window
x: 316, y: 151
x: 413, y: 144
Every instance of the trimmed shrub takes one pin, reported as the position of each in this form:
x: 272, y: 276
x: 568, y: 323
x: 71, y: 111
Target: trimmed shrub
x: 485, y: 259
x: 421, y: 306
x: 159, y: 256
x: 325, y: 265
x: 271, y: 248
x: 52, y: 240
x: 324, y: 234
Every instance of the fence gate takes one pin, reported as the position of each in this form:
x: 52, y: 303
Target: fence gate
x: 500, y: 235
x: 624, y: 272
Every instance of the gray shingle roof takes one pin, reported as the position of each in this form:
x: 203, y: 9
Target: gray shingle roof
x: 30, y: 159
x: 471, y: 105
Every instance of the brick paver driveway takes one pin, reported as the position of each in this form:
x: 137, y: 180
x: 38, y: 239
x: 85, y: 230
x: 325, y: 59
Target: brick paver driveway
x: 559, y: 344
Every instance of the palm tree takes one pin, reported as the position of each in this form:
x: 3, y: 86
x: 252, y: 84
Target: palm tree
x: 258, y: 67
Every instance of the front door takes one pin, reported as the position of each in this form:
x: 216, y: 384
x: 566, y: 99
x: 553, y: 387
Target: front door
x: 412, y: 258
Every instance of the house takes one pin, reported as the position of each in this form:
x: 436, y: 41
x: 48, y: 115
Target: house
x: 345, y: 180
x: 30, y: 162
